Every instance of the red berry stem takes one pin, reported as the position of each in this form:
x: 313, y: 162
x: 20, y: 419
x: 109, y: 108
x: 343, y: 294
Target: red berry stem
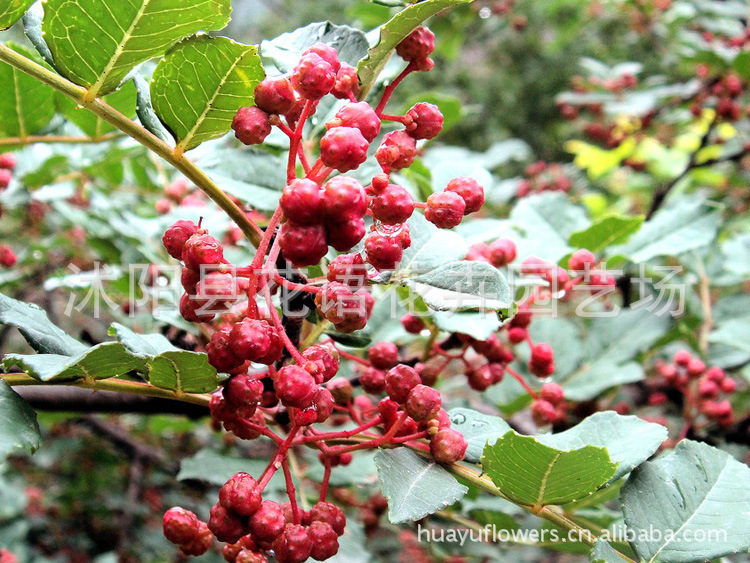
x: 278, y: 459
x: 294, y: 141
x: 420, y: 205
x: 291, y: 492
x: 328, y: 436
x: 398, y: 118
x: 522, y: 381
x: 347, y: 355
x: 326, y: 478
x: 288, y: 344
x: 384, y: 439
x: 260, y: 254
x: 388, y: 91
x: 410, y: 437
x: 294, y: 286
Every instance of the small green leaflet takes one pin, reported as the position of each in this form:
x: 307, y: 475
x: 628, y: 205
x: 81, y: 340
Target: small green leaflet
x: 605, y: 232
x: 201, y: 83
x: 12, y: 11
x: 96, y: 44
x: 532, y: 474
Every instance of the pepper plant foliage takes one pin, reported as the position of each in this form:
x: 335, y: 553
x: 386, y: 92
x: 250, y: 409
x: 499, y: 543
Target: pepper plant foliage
x: 376, y: 334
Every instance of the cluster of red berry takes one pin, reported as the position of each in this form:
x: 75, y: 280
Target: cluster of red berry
x: 544, y: 177
x: 7, y: 165
x: 701, y: 387
x: 721, y: 92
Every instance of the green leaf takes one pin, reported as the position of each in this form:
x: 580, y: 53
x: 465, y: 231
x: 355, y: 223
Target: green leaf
x: 430, y: 247
x: 393, y: 32
x: 602, y: 552
x: 693, y: 493
x: 96, y: 44
x: 26, y: 105
x: 414, y: 486
x: 37, y: 329
x: 182, y: 372
x: 742, y: 65
x: 141, y: 345
x: 215, y: 468
x: 477, y: 428
x: 123, y: 100
x: 19, y: 429
x: 12, y: 12
x: 201, y: 83
x: 102, y: 361
x: 463, y: 285
x: 610, y: 345
x: 686, y: 223
x: 629, y: 440
x: 605, y: 232
x: 530, y: 473
x: 283, y: 52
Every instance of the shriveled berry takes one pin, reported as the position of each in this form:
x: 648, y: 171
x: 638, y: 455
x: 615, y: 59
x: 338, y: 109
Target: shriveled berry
x: 226, y: 525
x: 348, y: 269
x: 294, y: 544
x: 343, y: 148
x: 383, y: 354
x: 176, y: 236
x: 399, y: 381
x: 543, y: 412
x: 347, y: 82
x: 323, y: 362
x: 397, y: 151
x: 343, y: 236
x: 240, y: 494
x: 426, y: 121
x: 501, y: 252
x: 303, y: 202
x: 232, y: 550
x: 345, y: 198
x: 445, y: 209
x: 295, y: 387
x: 275, y: 95
x: 423, y: 403
x: 347, y: 310
x: 180, y: 525
x: 448, y: 446
x: 581, y: 260
x: 412, y: 324
x: 202, y: 250
x: 313, y: 77
x: 342, y: 390
x: 268, y: 522
x: 251, y: 125
x: 480, y: 378
x: 393, y: 205
x: 219, y: 291
x: 383, y: 252
x: 469, y: 190
x: 329, y: 513
x: 325, y: 541
x: 372, y: 380
x: 359, y: 115
x: 221, y: 354
x: 417, y: 46
x: 552, y: 392
x: 303, y: 245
